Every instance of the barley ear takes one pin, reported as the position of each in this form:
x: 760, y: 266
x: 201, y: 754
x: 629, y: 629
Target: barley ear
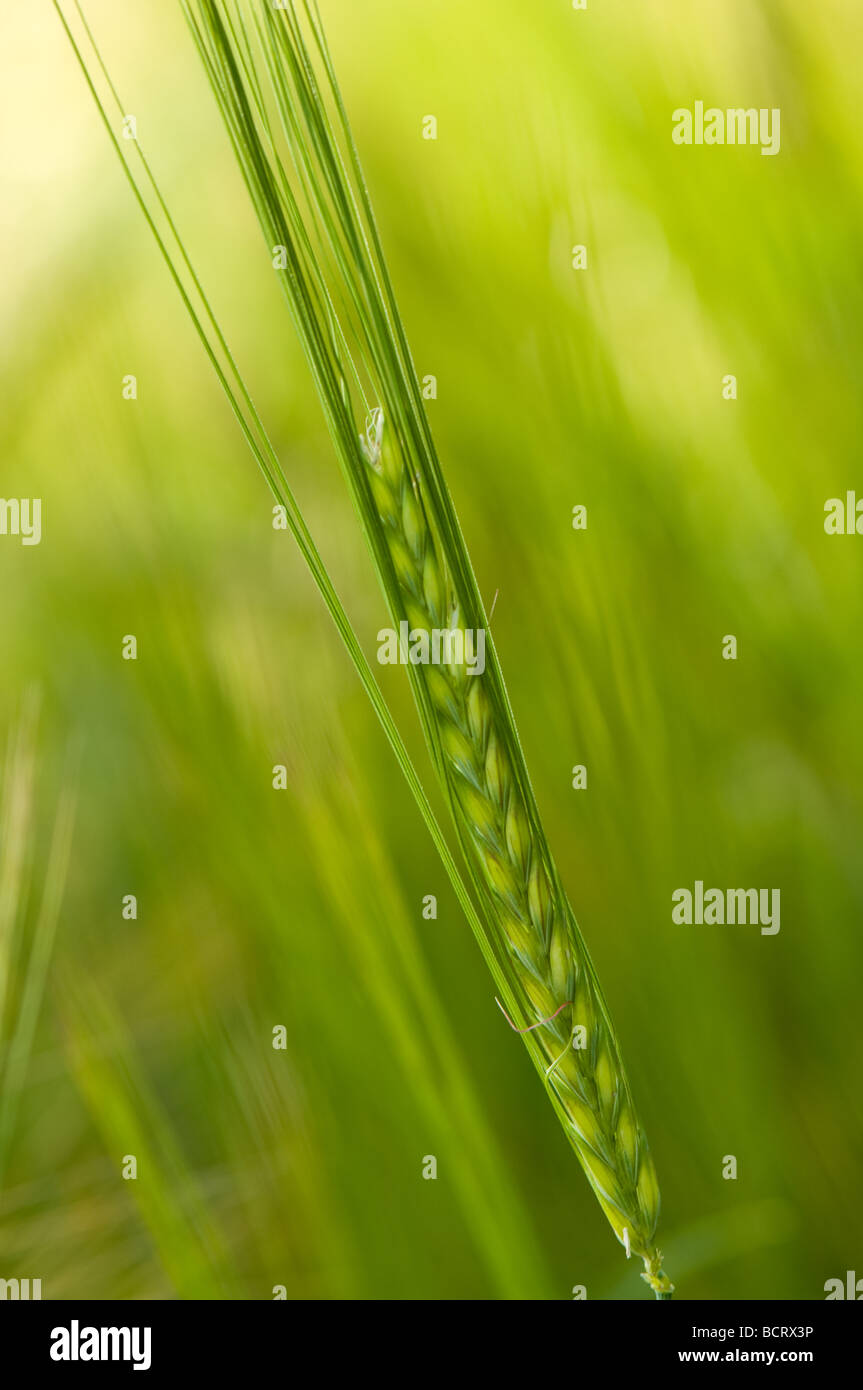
x: 528, y: 920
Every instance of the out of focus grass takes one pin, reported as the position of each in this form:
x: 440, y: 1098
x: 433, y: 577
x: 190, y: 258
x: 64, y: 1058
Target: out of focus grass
x: 303, y: 1167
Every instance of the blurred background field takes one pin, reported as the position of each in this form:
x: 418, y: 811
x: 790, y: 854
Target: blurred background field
x: 302, y: 908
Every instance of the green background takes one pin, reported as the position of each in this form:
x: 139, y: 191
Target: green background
x: 302, y: 908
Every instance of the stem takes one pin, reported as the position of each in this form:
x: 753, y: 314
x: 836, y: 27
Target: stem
x: 655, y: 1275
